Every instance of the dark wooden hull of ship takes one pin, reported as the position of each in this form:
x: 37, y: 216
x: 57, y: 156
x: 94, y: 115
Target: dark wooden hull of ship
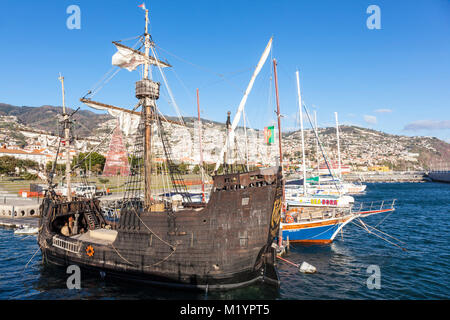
x: 223, y: 245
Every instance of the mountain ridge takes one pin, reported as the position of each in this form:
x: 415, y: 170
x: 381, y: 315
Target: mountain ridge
x: 361, y: 145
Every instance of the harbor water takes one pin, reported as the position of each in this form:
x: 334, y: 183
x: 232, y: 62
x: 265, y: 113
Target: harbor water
x: 345, y: 268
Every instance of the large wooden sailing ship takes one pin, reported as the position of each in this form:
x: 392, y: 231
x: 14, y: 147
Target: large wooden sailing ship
x: 164, y: 239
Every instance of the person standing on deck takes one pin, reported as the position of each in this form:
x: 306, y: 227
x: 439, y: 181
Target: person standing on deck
x: 65, y: 230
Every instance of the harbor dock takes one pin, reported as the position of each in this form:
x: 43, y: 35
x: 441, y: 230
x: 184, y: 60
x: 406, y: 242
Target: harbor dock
x: 12, y: 206
x: 386, y: 177
x: 18, y: 222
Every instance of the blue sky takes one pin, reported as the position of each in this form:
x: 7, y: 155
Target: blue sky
x: 395, y: 79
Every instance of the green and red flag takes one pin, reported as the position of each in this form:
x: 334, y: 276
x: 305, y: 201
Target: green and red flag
x: 268, y: 135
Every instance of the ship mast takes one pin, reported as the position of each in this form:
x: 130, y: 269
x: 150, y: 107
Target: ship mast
x: 147, y: 46
x: 279, y: 127
x: 201, y: 149
x: 66, y: 140
x: 148, y: 92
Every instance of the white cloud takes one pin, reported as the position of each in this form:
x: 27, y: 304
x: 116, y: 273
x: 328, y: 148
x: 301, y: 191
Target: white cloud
x: 428, y: 125
x: 370, y: 119
x: 383, y: 111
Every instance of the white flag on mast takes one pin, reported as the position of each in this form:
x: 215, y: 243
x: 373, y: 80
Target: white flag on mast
x: 130, y: 59
x: 127, y: 58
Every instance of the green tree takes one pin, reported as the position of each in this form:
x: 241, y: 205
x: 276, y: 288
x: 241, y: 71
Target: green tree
x: 182, y: 168
x: 8, y: 165
x: 94, y: 161
x: 27, y: 164
x: 196, y: 169
x: 59, y: 168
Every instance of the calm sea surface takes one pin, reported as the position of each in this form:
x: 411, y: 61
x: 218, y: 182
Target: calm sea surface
x: 421, y: 221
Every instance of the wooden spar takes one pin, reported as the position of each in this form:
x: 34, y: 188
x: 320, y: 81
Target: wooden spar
x: 279, y: 127
x: 108, y: 106
x: 66, y: 141
x: 150, y: 59
x: 201, y: 148
x: 87, y: 101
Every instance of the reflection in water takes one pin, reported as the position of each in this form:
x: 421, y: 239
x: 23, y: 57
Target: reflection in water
x: 51, y: 282
x: 421, y: 272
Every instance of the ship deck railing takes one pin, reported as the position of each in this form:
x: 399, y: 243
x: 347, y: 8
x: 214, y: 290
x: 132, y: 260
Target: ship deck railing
x: 374, y: 206
x: 311, y: 214
x: 66, y: 245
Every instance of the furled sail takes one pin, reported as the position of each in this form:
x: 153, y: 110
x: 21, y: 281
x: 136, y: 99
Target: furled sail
x: 128, y: 120
x: 230, y: 137
x: 130, y: 59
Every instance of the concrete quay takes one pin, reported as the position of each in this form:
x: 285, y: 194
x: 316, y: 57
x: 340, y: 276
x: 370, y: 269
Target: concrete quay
x: 393, y: 176
x: 13, y: 206
x: 18, y: 222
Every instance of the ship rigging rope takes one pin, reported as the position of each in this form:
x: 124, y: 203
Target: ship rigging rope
x: 52, y: 172
x: 93, y: 150
x: 137, y: 215
x: 315, y: 131
x: 104, y: 80
x: 166, y: 169
x: 220, y: 75
x: 385, y: 217
x: 193, y: 64
x: 167, y: 86
x: 151, y: 231
x: 101, y: 142
x: 149, y: 266
x: 366, y: 225
x: 191, y: 96
x: 32, y: 258
x: 324, y: 154
x: 370, y: 232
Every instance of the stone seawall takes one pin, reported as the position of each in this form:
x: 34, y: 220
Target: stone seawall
x: 407, y: 176
x: 394, y: 176
x: 12, y: 206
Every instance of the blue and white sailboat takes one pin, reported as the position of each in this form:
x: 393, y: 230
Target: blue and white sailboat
x: 318, y: 218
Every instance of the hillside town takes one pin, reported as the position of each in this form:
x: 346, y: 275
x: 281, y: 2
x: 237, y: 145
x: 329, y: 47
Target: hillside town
x: 361, y: 149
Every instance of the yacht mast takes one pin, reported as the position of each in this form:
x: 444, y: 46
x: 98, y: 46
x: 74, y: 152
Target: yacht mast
x: 66, y: 140
x: 301, y: 128
x: 317, y: 147
x: 338, y: 146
